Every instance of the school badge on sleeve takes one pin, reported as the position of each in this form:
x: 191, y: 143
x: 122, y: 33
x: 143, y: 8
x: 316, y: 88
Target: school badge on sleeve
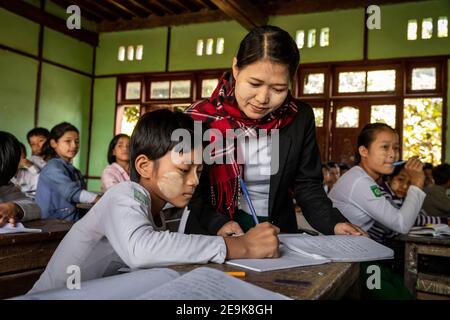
x: 376, y: 191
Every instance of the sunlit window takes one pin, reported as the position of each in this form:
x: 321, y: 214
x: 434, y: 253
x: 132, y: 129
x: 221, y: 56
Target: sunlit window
x: 381, y: 80
x: 311, y: 38
x: 130, y: 117
x: 347, y: 117
x: 427, y: 28
x: 139, y: 52
x: 412, y: 30
x: 130, y: 53
x: 133, y: 90
x: 423, y: 79
x: 199, y: 47
x: 208, y: 86
x: 442, y: 27
x: 314, y: 83
x: 352, y: 81
x: 318, y: 115
x: 422, y: 129
x: 324, y: 37
x: 160, y: 90
x: 300, y: 38
x: 209, y: 46
x: 121, y: 53
x: 180, y: 89
x: 220, y: 44
x: 384, y: 113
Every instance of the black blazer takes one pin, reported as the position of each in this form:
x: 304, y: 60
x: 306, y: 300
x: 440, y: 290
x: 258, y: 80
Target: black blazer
x: 300, y: 170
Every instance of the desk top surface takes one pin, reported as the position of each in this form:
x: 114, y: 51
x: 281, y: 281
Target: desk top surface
x: 327, y: 281
x: 51, y: 229
x: 444, y: 241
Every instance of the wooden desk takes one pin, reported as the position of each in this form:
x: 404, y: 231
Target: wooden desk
x: 24, y: 256
x: 327, y: 281
x: 423, y: 285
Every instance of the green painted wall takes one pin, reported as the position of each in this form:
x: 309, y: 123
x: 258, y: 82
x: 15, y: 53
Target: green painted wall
x: 346, y: 34
x: 103, y: 125
x: 65, y: 97
x: 18, y: 33
x: 154, y: 57
x: 183, y: 45
x: 67, y: 51
x: 17, y: 93
x: 391, y: 42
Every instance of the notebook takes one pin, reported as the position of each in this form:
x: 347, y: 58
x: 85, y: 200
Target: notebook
x: 162, y: 284
x: 8, y: 228
x: 300, y: 250
x: 434, y: 230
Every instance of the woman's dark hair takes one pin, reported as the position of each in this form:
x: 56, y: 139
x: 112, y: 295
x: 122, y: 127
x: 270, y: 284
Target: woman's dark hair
x: 152, y: 136
x: 396, y: 172
x: 269, y: 42
x: 55, y: 134
x: 112, y: 145
x: 367, y: 136
x: 23, y: 149
x: 37, y: 132
x: 9, y: 157
x: 441, y: 174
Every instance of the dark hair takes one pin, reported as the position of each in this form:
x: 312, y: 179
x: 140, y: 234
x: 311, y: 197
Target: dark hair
x: 344, y: 166
x: 427, y: 165
x: 441, y: 173
x: 37, y: 132
x: 269, y: 42
x: 9, y: 157
x: 367, y: 136
x: 112, y: 145
x: 332, y: 164
x: 23, y: 149
x: 55, y: 134
x: 396, y: 172
x: 152, y: 136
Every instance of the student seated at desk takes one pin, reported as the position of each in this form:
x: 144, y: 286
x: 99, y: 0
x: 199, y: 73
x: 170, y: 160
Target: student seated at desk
x: 127, y: 228
x: 394, y: 187
x: 119, y: 162
x: 437, y: 202
x: 14, y: 205
x: 36, y: 139
x: 61, y: 186
x: 27, y: 175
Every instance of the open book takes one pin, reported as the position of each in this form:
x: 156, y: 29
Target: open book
x: 8, y: 228
x: 435, y: 230
x: 299, y: 250
x: 162, y: 284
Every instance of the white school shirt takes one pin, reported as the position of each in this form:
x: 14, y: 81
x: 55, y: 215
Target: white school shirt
x: 257, y: 156
x: 119, y: 231
x: 360, y: 200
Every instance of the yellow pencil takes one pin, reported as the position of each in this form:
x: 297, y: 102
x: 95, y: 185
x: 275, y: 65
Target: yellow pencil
x: 237, y: 274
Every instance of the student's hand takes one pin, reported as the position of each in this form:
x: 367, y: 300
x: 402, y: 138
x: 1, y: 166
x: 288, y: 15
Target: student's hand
x: 231, y: 228
x: 346, y: 228
x: 414, y: 168
x: 10, y: 213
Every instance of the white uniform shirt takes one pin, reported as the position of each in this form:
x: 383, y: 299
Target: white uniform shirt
x: 119, y: 231
x: 257, y: 156
x: 360, y: 200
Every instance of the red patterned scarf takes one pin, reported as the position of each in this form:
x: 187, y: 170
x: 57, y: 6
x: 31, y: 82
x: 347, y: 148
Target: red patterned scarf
x: 221, y: 112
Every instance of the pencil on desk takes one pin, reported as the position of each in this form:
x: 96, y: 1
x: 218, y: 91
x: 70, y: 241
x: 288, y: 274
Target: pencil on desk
x: 249, y: 201
x: 237, y: 274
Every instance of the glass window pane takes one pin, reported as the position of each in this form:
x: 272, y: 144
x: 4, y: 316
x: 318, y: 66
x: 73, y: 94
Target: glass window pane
x: 318, y: 115
x: 159, y: 90
x: 300, y: 38
x: 422, y: 129
x: 209, y: 46
x: 381, y: 80
x: 121, y: 53
x: 180, y: 89
x: 139, y: 52
x: 352, y: 81
x: 208, y: 86
x: 220, y: 44
x: 199, y: 50
x: 427, y: 28
x: 130, y: 53
x: 347, y: 117
x: 311, y: 38
x: 383, y: 113
x: 314, y: 83
x: 130, y: 117
x: 324, y: 37
x: 442, y: 27
x: 424, y: 79
x: 412, y: 30
x: 133, y: 90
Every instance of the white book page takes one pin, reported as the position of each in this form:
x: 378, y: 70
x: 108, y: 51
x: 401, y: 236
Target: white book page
x: 123, y: 286
x: 210, y: 284
x: 288, y: 259
x: 339, y: 248
x: 8, y: 228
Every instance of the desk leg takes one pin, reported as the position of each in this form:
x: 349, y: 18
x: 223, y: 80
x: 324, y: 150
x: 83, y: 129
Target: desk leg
x: 411, y: 265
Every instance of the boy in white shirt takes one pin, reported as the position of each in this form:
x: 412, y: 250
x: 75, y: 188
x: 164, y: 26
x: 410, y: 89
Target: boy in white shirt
x: 126, y: 227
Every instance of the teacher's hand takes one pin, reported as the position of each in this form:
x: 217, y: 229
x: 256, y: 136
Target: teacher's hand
x: 230, y: 228
x: 346, y: 228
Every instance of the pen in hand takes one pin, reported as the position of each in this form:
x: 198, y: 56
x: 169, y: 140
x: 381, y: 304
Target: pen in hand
x: 249, y: 201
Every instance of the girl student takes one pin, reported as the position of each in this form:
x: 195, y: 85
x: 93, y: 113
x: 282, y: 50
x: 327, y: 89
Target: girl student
x: 118, y: 169
x: 127, y: 227
x: 61, y: 186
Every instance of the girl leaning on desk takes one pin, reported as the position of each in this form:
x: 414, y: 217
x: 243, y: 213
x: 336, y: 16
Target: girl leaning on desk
x: 255, y: 96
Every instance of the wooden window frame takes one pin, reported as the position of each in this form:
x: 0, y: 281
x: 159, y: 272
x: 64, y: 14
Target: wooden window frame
x: 438, y: 91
